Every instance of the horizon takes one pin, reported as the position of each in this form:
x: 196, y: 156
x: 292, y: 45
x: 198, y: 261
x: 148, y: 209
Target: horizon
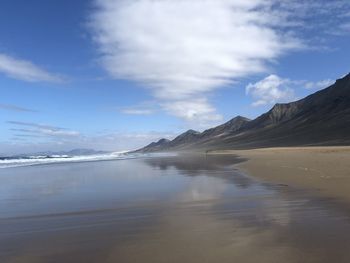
x: 117, y: 75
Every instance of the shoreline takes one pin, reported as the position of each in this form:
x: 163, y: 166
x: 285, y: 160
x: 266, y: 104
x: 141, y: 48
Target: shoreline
x: 323, y: 169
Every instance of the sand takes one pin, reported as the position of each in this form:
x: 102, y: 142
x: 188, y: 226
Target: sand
x: 169, y: 209
x: 325, y: 170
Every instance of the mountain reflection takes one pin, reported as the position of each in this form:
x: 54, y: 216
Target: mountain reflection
x: 201, y: 165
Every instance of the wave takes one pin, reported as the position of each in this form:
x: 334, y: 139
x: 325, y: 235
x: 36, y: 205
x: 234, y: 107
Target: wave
x: 9, y: 162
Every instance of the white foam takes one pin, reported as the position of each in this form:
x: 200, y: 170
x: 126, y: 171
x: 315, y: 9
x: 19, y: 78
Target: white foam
x: 35, y: 160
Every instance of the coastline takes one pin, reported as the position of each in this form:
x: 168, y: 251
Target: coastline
x: 325, y: 170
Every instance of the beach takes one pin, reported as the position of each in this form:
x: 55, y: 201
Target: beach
x: 324, y: 170
x: 181, y: 208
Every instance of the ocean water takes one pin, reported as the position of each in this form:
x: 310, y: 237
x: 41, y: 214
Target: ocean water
x: 9, y: 162
x: 163, y: 209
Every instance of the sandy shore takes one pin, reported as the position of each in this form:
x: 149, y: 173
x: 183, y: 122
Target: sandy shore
x: 185, y: 208
x: 323, y: 169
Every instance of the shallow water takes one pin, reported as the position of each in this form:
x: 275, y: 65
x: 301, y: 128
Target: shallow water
x: 165, y: 209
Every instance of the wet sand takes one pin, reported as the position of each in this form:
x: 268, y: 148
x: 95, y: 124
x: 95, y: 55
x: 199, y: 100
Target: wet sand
x: 325, y: 170
x: 168, y: 209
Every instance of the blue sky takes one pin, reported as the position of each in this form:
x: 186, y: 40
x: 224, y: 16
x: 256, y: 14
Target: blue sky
x: 117, y: 74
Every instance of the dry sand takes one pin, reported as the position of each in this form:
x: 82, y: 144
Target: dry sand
x: 323, y: 169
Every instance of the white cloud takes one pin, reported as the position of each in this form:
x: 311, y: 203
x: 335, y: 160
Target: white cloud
x: 25, y: 70
x: 345, y: 27
x: 318, y: 84
x: 271, y: 90
x: 184, y: 49
x: 137, y: 111
x: 42, y: 129
x: 194, y: 111
x: 15, y: 108
x: 144, y: 108
x: 35, y: 125
x: 321, y: 16
x: 41, y: 137
x: 60, y: 133
x: 119, y: 141
x: 114, y: 141
x: 274, y: 89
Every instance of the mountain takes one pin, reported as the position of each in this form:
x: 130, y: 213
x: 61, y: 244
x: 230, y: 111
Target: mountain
x: 160, y: 145
x: 183, y: 139
x: 322, y: 118
x: 187, y: 137
x: 231, y: 126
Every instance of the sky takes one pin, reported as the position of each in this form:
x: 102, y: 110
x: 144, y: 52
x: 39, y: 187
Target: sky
x: 118, y: 74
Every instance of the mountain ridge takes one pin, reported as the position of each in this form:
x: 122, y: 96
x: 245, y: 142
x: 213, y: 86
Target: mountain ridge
x: 322, y: 118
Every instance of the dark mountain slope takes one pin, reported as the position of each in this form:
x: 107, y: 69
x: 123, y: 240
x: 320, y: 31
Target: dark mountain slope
x: 322, y: 118
x: 158, y: 146
x: 329, y: 101
x: 185, y: 138
x: 231, y: 126
x: 182, y: 140
x: 194, y: 138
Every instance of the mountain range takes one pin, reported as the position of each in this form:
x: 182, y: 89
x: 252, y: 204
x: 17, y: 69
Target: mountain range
x: 322, y: 118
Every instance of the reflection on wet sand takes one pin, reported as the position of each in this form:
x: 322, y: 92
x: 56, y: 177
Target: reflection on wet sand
x: 169, y: 209
x: 215, y: 166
